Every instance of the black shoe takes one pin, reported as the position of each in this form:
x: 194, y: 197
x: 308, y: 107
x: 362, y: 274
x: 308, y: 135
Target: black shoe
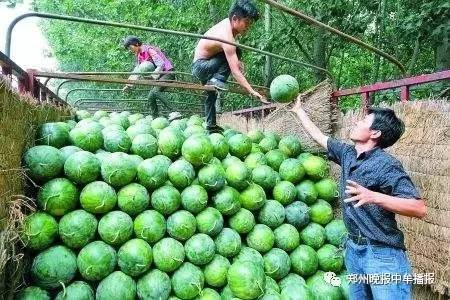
x: 217, y: 84
x: 214, y: 129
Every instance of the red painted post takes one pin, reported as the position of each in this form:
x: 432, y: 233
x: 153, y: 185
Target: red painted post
x: 404, y: 95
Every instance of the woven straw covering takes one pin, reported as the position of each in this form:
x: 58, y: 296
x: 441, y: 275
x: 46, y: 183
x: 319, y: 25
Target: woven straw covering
x: 316, y: 102
x: 424, y: 151
x: 19, y: 118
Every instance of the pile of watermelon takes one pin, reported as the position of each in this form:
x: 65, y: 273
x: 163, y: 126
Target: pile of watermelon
x: 136, y: 207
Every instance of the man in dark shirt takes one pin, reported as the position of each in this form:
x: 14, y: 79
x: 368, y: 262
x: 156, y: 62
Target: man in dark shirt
x: 373, y: 188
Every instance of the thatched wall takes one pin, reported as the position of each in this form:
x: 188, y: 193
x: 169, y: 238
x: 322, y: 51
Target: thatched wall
x: 19, y: 118
x: 424, y: 151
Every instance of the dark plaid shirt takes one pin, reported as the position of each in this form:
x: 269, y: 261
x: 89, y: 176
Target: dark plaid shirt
x: 377, y: 171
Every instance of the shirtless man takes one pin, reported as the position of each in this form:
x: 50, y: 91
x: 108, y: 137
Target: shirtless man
x: 214, y: 61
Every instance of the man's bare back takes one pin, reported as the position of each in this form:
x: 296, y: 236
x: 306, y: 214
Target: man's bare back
x: 208, y: 48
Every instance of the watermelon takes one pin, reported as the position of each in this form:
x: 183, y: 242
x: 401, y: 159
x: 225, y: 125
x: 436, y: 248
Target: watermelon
x: 220, y: 145
x: 216, y: 271
x: 307, y: 192
x: 116, y: 141
x: 188, y: 281
x: 197, y: 150
x: 194, y: 198
x: 39, y: 231
x: 200, y: 249
x: 98, y: 197
x: 253, y: 197
x: 115, y: 228
x: 336, y: 232
x: 255, y: 135
x: 290, y: 146
x: 297, y: 214
x: 54, y: 267
x: 116, y: 286
x: 210, y: 221
x: 327, y: 189
x: 181, y: 225
x: 96, y: 260
x: 77, y: 228
x: 208, y: 294
x: 291, y: 170
x: 272, y: 214
x: 229, y: 161
x: 284, y: 88
x: 153, y: 172
x: 226, y: 201
x: 76, y: 290
x: 43, y: 162
x: 321, y: 212
x: 284, y: 192
x: 67, y: 151
x: 267, y: 144
x: 135, y: 257
x: 255, y: 159
x: 170, y: 141
x: 237, y: 174
x: 313, y: 235
x: 304, y: 260
x: 82, y: 167
x: 321, y: 289
x: 330, y: 258
x: 287, y: 237
x: 87, y: 137
x: 144, y: 145
x: 246, y: 279
x: 181, y: 173
x: 154, y: 285
x: 228, y: 242
x: 133, y: 199
x: 53, y: 134
x: 293, y: 292
x: 243, y: 221
x: 120, y: 120
x: 118, y: 170
x: 150, y: 226
x: 249, y: 254
x: 291, y: 279
x: 33, y: 293
x: 271, y: 285
x: 239, y: 145
x: 264, y: 176
x: 212, y: 177
x: 168, y: 254
x: 261, y: 238
x: 277, y: 263
x: 166, y: 200
x: 315, y: 167
x: 58, y: 197
x: 275, y: 158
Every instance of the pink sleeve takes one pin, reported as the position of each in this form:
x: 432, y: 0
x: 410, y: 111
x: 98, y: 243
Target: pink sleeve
x: 157, y: 59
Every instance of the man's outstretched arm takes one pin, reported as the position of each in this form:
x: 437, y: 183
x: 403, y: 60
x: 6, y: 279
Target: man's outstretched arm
x: 309, y: 126
x: 234, y: 64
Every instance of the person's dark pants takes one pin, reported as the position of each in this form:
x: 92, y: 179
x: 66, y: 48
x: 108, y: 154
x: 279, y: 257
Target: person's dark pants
x: 205, y: 69
x: 157, y: 92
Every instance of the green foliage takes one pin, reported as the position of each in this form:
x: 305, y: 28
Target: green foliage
x: 394, y: 26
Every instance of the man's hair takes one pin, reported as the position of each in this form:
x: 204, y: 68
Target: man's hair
x: 244, y: 9
x: 390, y: 126
x: 131, y: 40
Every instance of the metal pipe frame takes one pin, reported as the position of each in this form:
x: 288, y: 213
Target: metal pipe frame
x: 333, y: 30
x: 119, y: 90
x: 144, y: 28
x: 182, y: 85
